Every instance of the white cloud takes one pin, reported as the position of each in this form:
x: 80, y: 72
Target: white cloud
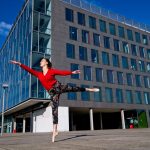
x: 4, y: 28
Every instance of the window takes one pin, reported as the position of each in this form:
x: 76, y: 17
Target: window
x: 85, y: 96
x: 146, y: 82
x: 120, y: 78
x: 129, y: 96
x: 116, y: 45
x: 148, y: 66
x: 98, y: 95
x: 96, y: 39
x: 72, y: 95
x: 133, y: 64
x: 112, y: 29
x: 87, y: 73
x: 145, y: 40
x: 99, y: 74
x: 148, y: 53
x: 106, y: 42
x: 146, y: 98
x: 138, y: 80
x: 121, y: 32
x: 134, y: 50
x: 129, y: 79
x: 74, y: 67
x: 142, y: 66
x: 110, y: 78
x: 115, y: 59
x: 129, y: 35
x: 83, y: 53
x: 102, y: 26
x: 105, y: 58
x: 81, y: 19
x: 73, y: 33
x: 142, y: 52
x: 94, y: 56
x: 70, y: 51
x: 138, y: 97
x: 125, y: 62
x: 92, y: 22
x: 109, y: 94
x: 85, y: 36
x: 137, y: 37
x: 125, y: 47
x: 69, y: 14
x: 119, y: 96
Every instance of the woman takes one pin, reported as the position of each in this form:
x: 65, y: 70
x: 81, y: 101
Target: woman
x: 54, y: 88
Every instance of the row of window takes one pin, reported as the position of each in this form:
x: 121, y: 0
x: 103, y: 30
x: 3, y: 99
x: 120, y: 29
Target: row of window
x: 117, y: 45
x: 83, y: 55
x: 109, y: 97
x: 111, y: 75
x: 92, y: 23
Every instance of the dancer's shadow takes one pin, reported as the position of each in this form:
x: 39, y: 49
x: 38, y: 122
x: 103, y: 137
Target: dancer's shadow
x: 73, y: 137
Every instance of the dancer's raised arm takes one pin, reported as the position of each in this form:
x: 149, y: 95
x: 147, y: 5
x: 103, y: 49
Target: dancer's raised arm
x: 28, y: 69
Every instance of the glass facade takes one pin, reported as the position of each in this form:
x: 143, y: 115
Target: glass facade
x: 17, y: 47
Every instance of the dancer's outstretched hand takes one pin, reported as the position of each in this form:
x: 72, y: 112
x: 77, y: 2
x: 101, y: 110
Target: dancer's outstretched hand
x: 76, y: 72
x: 15, y: 62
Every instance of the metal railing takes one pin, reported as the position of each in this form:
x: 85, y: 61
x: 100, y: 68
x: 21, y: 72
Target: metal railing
x: 107, y: 13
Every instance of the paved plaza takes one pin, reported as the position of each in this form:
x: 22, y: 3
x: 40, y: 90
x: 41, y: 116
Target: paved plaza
x: 129, y: 139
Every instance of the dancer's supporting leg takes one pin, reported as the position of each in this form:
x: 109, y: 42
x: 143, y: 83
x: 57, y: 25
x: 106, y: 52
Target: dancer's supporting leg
x: 55, y: 104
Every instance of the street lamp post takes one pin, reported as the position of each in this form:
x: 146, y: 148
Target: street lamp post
x: 2, y: 125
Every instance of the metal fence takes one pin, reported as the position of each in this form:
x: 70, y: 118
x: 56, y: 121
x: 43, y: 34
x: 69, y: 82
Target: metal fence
x: 107, y: 13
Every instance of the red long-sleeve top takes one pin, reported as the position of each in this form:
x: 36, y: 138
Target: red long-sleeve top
x: 48, y: 80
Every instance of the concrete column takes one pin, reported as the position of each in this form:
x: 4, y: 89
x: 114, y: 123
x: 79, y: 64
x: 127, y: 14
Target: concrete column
x: 24, y: 124
x: 122, y: 119
x: 101, y: 120
x: 148, y: 117
x: 91, y: 119
x: 14, y: 125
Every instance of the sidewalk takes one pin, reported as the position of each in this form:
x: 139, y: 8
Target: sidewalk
x: 131, y: 139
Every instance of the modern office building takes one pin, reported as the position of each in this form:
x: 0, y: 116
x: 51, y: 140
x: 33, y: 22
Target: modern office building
x: 112, y: 52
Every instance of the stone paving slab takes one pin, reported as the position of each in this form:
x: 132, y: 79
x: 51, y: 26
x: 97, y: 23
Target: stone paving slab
x: 129, y: 139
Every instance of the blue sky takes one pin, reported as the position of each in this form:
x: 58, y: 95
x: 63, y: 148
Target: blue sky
x: 134, y: 9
